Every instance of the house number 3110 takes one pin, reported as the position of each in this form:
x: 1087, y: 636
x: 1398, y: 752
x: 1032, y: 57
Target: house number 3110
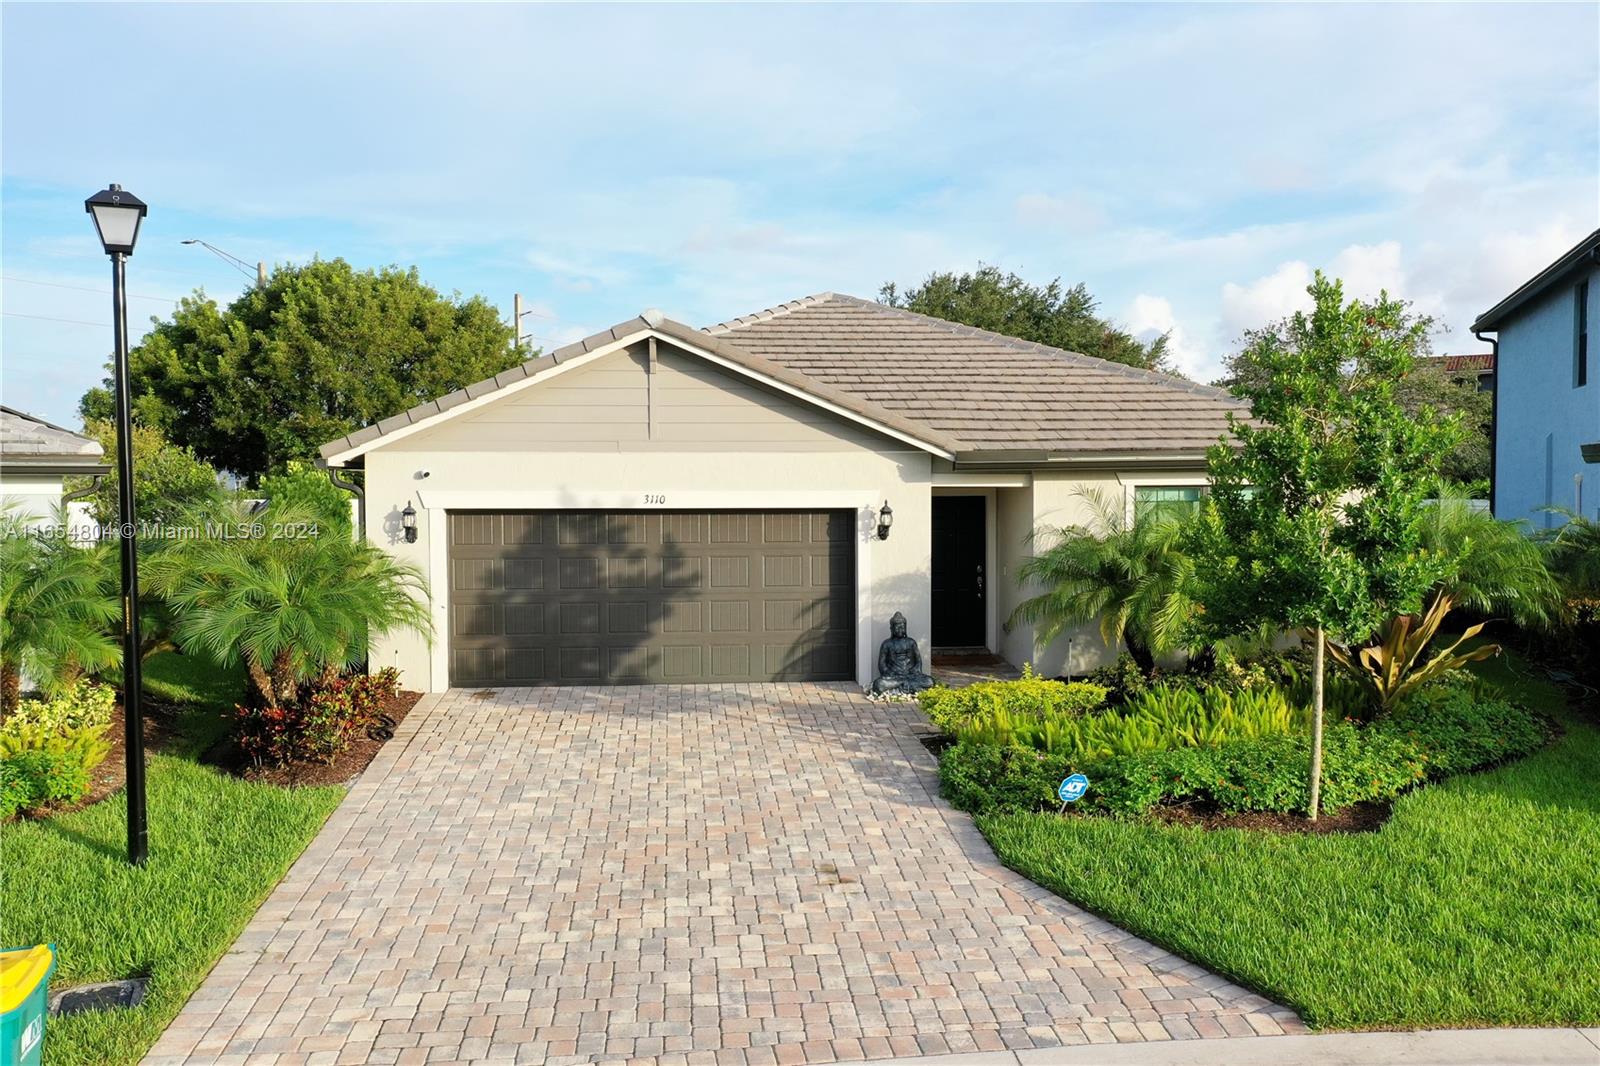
x: 654, y: 497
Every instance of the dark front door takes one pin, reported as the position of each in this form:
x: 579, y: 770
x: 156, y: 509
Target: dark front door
x: 960, y: 606
x: 622, y: 597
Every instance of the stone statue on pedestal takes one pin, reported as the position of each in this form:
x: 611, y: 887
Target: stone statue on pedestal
x: 899, y: 662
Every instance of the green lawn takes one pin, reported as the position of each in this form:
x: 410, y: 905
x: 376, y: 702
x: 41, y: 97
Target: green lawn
x: 218, y: 845
x: 1478, y: 903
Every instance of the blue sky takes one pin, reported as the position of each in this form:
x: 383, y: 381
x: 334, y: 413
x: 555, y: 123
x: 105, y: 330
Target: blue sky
x: 1191, y: 164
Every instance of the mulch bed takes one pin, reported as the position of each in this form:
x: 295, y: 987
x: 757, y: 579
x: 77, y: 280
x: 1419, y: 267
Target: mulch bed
x: 160, y: 726
x: 347, y: 765
x: 1365, y: 817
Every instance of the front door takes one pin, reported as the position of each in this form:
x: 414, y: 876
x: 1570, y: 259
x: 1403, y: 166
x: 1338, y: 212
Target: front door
x: 960, y: 604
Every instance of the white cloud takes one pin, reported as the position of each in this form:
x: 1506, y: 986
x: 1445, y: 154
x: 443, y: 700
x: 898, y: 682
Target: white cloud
x: 1151, y: 316
x: 1267, y: 299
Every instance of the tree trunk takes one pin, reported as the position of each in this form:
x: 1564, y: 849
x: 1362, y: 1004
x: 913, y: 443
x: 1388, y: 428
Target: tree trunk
x: 1317, y: 667
x: 1141, y: 653
x: 10, y: 688
x: 263, y: 683
x: 284, y: 683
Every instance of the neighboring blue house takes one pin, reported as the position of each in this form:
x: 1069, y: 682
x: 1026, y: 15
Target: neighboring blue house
x: 1546, y: 429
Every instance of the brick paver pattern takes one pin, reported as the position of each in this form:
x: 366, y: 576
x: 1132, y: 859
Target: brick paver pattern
x: 679, y: 875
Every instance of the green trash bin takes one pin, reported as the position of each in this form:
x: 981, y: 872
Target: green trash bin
x: 24, y: 1002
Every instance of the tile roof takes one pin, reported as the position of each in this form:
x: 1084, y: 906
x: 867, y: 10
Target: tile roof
x: 957, y: 389
x: 991, y: 392
x: 27, y: 437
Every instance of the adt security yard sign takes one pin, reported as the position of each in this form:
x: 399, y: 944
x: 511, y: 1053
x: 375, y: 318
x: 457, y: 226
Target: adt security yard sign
x: 1072, y: 789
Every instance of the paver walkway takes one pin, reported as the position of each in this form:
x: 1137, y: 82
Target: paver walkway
x: 713, y: 875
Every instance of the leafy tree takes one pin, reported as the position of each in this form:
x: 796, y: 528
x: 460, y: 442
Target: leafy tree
x: 320, y: 350
x: 289, y: 603
x: 306, y: 486
x: 1131, y: 575
x: 1316, y: 515
x: 1045, y: 314
x: 56, y: 617
x: 1427, y: 384
x: 167, y: 478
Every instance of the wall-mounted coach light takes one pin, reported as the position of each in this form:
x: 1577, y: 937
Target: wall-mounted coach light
x: 885, y: 520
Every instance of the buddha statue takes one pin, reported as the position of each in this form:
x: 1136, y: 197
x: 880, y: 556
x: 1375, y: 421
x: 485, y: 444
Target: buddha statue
x: 899, y: 662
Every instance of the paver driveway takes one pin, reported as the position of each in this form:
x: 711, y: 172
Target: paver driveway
x: 700, y: 874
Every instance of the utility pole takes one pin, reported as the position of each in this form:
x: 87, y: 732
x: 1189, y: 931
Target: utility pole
x: 516, y: 320
x: 261, y: 274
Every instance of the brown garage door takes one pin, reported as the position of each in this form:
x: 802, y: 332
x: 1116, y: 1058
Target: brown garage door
x: 641, y: 597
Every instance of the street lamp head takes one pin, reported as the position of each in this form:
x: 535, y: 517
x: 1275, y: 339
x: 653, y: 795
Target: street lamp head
x: 116, y: 216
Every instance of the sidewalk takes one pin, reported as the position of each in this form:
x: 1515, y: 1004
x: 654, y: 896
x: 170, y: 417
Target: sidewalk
x: 1437, y: 1047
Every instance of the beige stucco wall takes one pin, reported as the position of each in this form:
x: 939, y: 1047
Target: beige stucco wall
x: 34, y: 496
x: 1055, y: 499
x: 604, y: 436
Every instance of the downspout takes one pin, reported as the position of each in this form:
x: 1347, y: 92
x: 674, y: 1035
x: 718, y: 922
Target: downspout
x: 1494, y: 419
x: 94, y: 485
x: 350, y: 487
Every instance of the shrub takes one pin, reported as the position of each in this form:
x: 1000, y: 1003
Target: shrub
x: 1123, y: 680
x: 1466, y: 725
x: 1446, y: 729
x: 1266, y: 774
x: 1163, y: 718
x: 304, y: 486
x: 49, y: 748
x: 951, y: 708
x: 38, y: 777
x: 320, y: 724
x: 990, y: 777
x: 81, y: 704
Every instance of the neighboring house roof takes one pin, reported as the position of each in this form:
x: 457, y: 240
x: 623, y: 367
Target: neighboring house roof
x: 995, y: 393
x: 956, y: 391
x: 29, y: 441
x: 1473, y: 363
x: 1581, y: 256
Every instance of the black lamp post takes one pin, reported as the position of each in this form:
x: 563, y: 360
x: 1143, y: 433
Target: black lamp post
x: 117, y: 215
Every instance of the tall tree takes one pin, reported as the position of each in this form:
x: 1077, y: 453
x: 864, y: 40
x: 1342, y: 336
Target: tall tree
x: 1426, y: 384
x: 1316, y: 516
x: 1045, y: 314
x: 320, y: 350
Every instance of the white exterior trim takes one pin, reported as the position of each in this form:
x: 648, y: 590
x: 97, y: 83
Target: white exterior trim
x: 963, y: 480
x: 503, y: 391
x: 439, y: 586
x: 440, y: 502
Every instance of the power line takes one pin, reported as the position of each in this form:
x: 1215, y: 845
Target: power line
x: 52, y: 318
x: 82, y: 288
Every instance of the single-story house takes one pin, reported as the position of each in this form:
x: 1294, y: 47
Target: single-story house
x: 35, y: 459
x: 754, y: 500
x: 1545, y: 433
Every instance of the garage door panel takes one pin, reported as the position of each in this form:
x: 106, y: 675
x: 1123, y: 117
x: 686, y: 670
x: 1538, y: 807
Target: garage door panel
x: 563, y: 597
x: 686, y: 616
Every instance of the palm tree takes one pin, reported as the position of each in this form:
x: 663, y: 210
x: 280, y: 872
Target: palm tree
x: 1575, y: 553
x: 1499, y: 567
x: 289, y: 602
x: 1130, y: 574
x: 56, y: 618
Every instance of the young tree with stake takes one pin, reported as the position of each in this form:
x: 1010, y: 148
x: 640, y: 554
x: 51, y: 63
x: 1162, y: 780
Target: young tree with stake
x: 1315, y: 516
